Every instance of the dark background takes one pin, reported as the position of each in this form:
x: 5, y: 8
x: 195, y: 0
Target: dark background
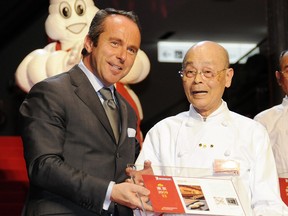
x: 253, y: 89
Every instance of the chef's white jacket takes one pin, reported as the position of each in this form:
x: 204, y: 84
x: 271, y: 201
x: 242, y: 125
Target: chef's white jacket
x: 188, y: 140
x: 275, y: 120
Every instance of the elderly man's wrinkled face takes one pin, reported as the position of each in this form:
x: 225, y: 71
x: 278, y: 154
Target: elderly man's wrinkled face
x: 282, y: 76
x: 205, y: 76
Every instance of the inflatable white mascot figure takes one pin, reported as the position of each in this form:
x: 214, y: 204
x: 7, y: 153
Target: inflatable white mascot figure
x: 66, y: 26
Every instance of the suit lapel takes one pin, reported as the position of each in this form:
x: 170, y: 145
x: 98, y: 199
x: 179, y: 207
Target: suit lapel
x: 85, y: 91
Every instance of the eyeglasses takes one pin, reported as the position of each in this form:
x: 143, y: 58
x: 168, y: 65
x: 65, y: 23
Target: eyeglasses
x: 205, y: 74
x: 284, y: 73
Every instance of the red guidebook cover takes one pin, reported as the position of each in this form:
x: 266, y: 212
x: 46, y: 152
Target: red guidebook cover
x: 163, y: 194
x: 284, y: 189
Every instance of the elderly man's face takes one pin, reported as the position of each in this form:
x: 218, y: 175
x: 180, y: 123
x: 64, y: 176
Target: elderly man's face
x: 204, y: 93
x: 282, y: 76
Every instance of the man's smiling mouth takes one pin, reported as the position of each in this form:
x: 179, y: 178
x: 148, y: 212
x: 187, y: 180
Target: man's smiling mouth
x: 116, y: 67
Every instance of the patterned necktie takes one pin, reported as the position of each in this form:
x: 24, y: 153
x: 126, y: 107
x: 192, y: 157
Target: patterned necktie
x: 111, y: 110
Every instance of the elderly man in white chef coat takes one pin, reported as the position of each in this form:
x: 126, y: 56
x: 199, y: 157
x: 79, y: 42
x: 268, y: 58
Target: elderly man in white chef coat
x: 209, y: 132
x: 275, y: 119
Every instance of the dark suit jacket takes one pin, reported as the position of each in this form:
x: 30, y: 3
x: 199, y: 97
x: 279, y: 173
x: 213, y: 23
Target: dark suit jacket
x: 69, y: 147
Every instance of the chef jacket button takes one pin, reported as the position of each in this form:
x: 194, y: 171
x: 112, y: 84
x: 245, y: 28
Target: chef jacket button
x: 189, y: 124
x: 225, y: 124
x: 227, y: 153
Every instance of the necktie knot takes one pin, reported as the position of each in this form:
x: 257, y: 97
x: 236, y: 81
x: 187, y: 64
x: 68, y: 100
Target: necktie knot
x: 107, y: 96
x: 106, y: 93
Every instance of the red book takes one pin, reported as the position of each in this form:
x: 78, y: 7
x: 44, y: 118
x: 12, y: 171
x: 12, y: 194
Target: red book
x: 284, y: 189
x: 164, y: 196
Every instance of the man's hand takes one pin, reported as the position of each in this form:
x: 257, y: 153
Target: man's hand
x: 136, y: 175
x: 130, y: 194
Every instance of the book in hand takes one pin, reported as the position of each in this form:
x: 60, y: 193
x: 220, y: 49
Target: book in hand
x: 199, y: 196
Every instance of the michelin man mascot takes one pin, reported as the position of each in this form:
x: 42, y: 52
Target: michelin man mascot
x: 66, y: 26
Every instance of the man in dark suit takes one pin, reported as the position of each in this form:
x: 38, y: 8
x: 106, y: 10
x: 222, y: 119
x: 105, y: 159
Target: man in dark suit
x: 76, y: 165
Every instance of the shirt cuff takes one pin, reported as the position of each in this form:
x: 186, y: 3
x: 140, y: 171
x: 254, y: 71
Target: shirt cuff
x: 108, y: 195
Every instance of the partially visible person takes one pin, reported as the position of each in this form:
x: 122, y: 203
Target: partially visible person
x: 209, y: 132
x: 76, y: 164
x: 275, y: 119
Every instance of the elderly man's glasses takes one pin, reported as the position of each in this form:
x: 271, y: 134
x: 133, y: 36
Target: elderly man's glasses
x: 285, y: 73
x: 205, y: 74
